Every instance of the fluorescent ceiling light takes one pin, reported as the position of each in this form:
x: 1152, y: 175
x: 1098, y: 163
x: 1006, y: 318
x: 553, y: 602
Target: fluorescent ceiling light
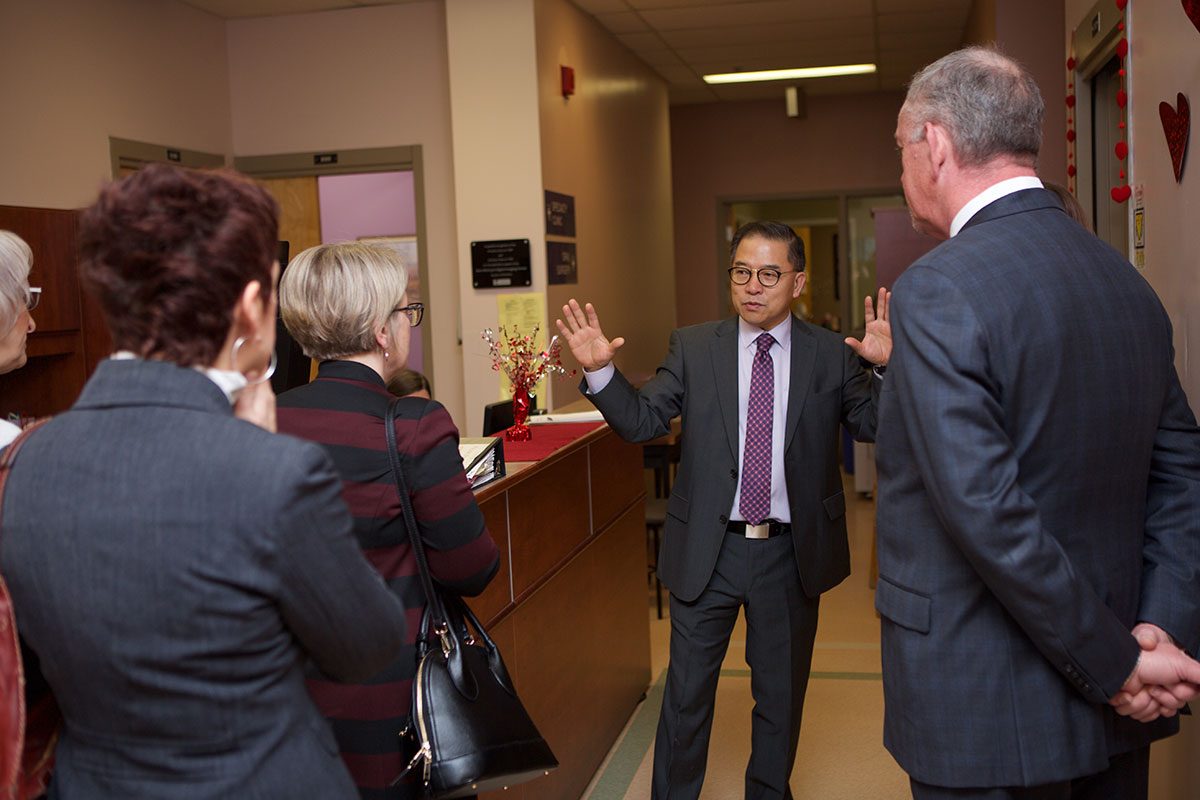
x: 791, y: 74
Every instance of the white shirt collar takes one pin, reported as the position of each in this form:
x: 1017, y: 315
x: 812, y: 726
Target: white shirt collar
x: 782, y: 333
x: 228, y: 381
x: 989, y: 196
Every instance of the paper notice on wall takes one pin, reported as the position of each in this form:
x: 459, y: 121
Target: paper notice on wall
x: 519, y: 314
x: 1139, y: 227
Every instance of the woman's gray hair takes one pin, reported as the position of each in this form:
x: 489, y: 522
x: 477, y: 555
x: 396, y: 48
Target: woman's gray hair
x: 15, y: 260
x: 988, y: 102
x: 334, y: 297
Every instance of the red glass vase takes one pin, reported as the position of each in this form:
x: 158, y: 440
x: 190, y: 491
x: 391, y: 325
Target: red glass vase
x: 519, y: 432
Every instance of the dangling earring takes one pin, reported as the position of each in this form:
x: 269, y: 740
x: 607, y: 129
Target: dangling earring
x: 386, y: 355
x: 266, y: 376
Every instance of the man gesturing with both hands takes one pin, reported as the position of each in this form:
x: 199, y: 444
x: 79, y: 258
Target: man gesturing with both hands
x: 756, y: 516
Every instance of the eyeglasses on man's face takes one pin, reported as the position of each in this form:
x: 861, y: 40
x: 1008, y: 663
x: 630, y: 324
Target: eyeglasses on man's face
x: 414, y: 311
x: 33, y: 296
x: 767, y: 276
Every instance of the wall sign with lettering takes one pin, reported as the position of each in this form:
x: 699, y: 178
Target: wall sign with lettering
x: 501, y: 263
x: 560, y: 214
x: 562, y: 266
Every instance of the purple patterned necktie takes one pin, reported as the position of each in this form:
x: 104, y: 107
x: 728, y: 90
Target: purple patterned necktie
x: 755, y: 502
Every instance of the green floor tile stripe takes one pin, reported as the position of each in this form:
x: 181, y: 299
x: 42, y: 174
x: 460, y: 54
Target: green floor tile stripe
x: 618, y: 775
x: 614, y: 783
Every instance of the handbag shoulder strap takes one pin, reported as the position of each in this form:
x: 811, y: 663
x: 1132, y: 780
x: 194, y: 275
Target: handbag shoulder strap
x: 10, y: 455
x: 432, y: 598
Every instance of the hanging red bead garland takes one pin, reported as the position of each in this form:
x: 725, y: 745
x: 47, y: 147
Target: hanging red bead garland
x: 1071, y: 123
x: 1121, y: 192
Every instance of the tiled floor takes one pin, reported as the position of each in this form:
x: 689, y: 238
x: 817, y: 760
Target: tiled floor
x: 841, y: 755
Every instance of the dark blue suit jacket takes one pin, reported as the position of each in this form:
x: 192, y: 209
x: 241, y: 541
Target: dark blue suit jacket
x: 174, y: 567
x: 1039, y: 477
x: 699, y: 380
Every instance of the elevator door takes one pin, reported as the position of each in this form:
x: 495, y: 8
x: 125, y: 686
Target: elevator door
x: 1111, y: 219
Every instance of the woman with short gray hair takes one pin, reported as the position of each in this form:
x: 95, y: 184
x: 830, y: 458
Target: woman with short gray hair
x: 17, y: 299
x: 346, y: 305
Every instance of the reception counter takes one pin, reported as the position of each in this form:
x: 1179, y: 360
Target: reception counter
x: 568, y: 608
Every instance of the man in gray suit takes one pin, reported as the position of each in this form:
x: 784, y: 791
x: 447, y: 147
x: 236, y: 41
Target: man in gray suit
x: 756, y: 516
x: 1039, y: 474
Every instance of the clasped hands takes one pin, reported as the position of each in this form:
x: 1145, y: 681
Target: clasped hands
x: 1164, y: 679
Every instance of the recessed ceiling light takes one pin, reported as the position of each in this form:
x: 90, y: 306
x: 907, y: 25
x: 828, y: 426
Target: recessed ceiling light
x: 791, y: 74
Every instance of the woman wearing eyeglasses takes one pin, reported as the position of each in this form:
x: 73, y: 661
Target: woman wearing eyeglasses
x: 173, y: 562
x: 17, y: 299
x: 347, y: 306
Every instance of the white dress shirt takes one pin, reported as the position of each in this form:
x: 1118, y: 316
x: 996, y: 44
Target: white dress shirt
x: 781, y: 359
x: 989, y: 196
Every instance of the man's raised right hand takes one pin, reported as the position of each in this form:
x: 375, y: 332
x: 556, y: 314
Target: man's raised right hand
x: 583, y: 335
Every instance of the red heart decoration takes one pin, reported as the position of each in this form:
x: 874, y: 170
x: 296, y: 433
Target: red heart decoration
x: 1177, y: 125
x: 1122, y: 98
x: 1192, y: 9
x: 1122, y: 48
x: 1122, y: 150
x: 1071, y: 170
x: 1071, y: 61
x: 1070, y: 136
x: 1121, y: 193
x: 1070, y: 101
x: 1121, y: 4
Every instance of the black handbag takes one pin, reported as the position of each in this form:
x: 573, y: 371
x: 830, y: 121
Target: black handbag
x: 474, y: 733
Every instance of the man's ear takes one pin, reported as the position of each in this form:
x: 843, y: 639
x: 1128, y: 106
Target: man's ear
x: 941, y: 150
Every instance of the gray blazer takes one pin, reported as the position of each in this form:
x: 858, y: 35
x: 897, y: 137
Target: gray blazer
x: 1039, y: 479
x: 698, y: 380
x: 173, y: 567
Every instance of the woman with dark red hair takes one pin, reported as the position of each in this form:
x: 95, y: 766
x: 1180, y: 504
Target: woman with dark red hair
x: 173, y: 563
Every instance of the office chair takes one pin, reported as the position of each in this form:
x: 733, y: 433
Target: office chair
x: 497, y: 417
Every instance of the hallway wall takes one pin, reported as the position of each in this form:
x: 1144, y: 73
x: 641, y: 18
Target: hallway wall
x: 74, y: 72
x: 752, y: 151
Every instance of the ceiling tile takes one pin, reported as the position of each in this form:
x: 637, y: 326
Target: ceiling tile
x: 765, y: 12
x: 962, y: 7
x: 784, y: 32
x: 623, y: 22
x: 948, y: 38
x: 646, y: 40
x: 601, y: 6
x: 661, y: 58
x: 681, y: 95
x: 680, y: 74
x: 919, y: 21
x: 839, y: 51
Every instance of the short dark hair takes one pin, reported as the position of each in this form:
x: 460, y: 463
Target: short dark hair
x: 775, y: 232
x: 167, y: 251
x: 409, y: 381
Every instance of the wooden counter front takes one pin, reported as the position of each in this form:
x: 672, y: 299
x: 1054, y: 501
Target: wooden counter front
x: 568, y: 606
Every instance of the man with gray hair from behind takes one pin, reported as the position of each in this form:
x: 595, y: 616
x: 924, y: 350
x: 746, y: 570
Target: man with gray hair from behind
x: 1039, y: 474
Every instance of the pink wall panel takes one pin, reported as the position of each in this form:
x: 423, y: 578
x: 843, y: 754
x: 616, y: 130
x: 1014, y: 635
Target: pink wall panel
x: 371, y: 204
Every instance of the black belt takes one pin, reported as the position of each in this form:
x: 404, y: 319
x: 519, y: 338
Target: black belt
x: 765, y: 530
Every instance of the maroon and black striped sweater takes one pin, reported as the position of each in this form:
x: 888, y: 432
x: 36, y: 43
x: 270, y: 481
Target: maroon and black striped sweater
x: 343, y: 410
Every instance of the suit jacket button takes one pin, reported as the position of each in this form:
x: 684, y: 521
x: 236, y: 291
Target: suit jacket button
x: 724, y: 519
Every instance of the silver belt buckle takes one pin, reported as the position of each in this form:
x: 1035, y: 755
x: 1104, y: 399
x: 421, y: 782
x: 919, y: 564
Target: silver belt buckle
x: 759, y: 531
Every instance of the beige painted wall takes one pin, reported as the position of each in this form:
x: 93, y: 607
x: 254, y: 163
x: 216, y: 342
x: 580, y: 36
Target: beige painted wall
x: 609, y: 147
x: 752, y: 150
x: 74, y: 72
x: 363, y: 77
x: 1165, y: 60
x: 497, y: 163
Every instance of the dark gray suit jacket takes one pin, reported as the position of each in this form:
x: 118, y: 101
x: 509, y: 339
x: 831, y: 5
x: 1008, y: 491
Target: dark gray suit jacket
x: 699, y: 381
x: 173, y: 567
x: 1039, y: 479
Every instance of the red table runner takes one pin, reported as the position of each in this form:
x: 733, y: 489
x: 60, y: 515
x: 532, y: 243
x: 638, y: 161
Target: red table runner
x: 545, y: 440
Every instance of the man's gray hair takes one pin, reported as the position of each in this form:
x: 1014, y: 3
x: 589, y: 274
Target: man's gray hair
x: 988, y: 102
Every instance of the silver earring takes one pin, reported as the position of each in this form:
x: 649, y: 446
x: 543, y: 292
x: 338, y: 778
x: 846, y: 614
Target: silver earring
x: 266, y: 376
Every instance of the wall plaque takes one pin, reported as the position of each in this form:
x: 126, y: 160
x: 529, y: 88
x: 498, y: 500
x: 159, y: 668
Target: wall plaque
x: 501, y: 263
x: 560, y: 214
x: 561, y: 263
